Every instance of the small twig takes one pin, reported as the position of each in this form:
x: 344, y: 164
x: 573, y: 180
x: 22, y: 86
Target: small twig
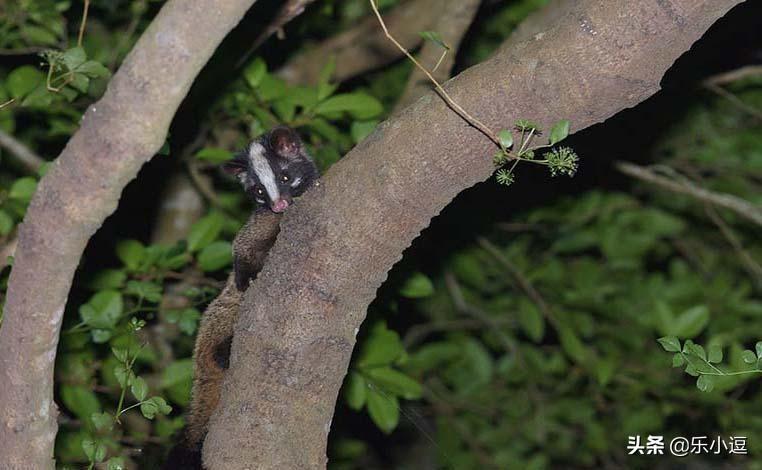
x: 416, y: 333
x: 290, y: 10
x: 462, y: 306
x: 753, y: 268
x: 738, y: 102
x: 740, y: 206
x: 10, y: 101
x: 83, y: 23
x: 734, y: 75
x: 30, y: 160
x: 462, y: 112
x: 521, y: 280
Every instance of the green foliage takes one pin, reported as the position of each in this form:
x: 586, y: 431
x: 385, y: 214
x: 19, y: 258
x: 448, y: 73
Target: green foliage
x: 560, y: 160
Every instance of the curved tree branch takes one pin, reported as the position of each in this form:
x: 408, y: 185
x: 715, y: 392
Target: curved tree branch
x: 297, y: 328
x: 363, y: 47
x: 118, y: 134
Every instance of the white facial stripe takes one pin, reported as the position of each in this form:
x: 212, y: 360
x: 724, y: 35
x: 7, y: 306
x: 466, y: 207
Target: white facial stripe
x: 296, y: 181
x: 262, y: 169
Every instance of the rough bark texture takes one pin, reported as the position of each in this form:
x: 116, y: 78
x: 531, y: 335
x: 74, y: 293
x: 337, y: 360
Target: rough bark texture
x: 118, y: 134
x: 298, y: 323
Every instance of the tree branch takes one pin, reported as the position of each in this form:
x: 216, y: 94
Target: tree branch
x: 117, y: 135
x: 26, y: 156
x: 740, y: 206
x: 297, y: 328
x: 452, y: 24
x: 363, y: 47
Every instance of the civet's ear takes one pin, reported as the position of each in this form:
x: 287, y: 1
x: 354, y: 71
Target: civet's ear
x: 285, y: 142
x: 235, y: 166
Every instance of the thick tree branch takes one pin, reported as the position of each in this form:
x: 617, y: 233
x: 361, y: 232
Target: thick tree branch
x: 118, y: 134
x: 364, y: 47
x: 297, y: 327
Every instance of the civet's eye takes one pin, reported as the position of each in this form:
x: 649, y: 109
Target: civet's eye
x: 260, y: 192
x: 284, y: 178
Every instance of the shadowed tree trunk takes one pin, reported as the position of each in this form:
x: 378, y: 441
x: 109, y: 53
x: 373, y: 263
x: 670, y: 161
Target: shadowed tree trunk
x: 298, y: 324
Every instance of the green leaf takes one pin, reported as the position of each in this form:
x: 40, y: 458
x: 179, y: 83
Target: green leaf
x: 123, y: 375
x: 107, y: 279
x: 705, y: 383
x: 22, y: 80
x: 93, y: 69
x: 559, y: 131
x: 116, y: 463
x: 394, y: 382
x: 417, y: 286
x: 23, y: 189
x: 506, y: 138
x: 139, y: 388
x: 325, y: 88
x: 214, y: 155
x: 381, y: 348
x: 362, y: 129
x: 255, y: 72
x: 434, y: 37
x: 433, y: 355
x: 131, y: 253
x: 147, y: 290
x: 153, y: 406
x: 94, y: 450
x: 205, y: 231
x: 177, y: 372
x: 39, y: 35
x: 359, y: 105
x: 715, y: 354
x: 749, y: 357
x: 120, y: 354
x: 80, y: 400
x: 74, y: 57
x: 186, y: 319
x: 383, y: 410
x: 271, y: 88
x: 6, y: 223
x: 102, y: 310
x: 79, y: 82
x: 531, y: 320
x: 669, y: 343
x: 102, y: 421
x: 526, y: 125
x: 691, y: 322
x: 758, y: 348
x: 678, y: 360
x: 355, y: 392
x: 215, y: 256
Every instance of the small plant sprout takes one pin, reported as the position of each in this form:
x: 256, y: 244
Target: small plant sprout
x: 560, y: 161
x: 700, y: 362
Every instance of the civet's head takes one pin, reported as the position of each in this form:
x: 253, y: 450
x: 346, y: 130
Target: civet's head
x: 274, y: 169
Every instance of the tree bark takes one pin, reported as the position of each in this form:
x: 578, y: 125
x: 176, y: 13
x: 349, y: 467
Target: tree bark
x: 118, y: 134
x: 297, y: 328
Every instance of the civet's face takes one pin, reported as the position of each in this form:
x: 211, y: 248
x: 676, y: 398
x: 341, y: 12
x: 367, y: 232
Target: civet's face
x: 274, y: 169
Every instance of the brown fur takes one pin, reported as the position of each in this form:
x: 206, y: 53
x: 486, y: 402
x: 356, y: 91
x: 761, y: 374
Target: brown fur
x: 250, y: 249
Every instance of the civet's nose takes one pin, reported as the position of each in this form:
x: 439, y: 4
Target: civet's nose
x: 280, y: 205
